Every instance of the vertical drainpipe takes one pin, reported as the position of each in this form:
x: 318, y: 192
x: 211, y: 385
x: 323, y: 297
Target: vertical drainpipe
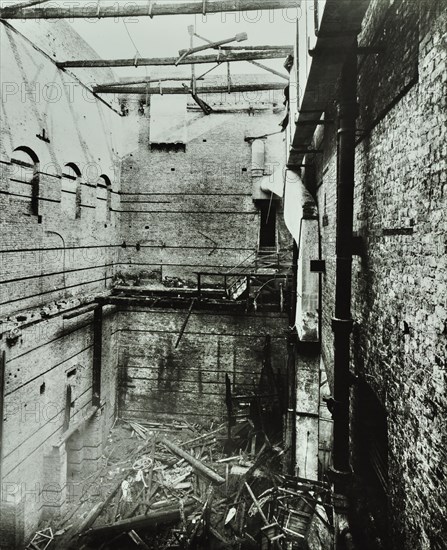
x: 342, y: 322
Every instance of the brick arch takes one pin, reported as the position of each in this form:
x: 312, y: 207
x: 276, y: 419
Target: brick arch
x: 103, y: 198
x: 26, y: 172
x: 28, y: 151
x: 71, y: 191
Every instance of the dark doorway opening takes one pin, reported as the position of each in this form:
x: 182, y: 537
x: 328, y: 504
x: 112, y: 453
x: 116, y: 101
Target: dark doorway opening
x: 267, y: 231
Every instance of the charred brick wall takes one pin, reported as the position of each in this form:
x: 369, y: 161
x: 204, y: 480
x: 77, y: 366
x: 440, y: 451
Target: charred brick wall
x: 52, y: 263
x: 399, y: 300
x: 158, y: 380
x: 192, y: 210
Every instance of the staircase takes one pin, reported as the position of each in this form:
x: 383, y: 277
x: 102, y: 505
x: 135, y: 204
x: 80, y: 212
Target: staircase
x: 264, y: 280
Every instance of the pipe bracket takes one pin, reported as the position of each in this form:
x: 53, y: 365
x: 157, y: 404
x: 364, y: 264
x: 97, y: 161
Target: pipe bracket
x: 342, y: 325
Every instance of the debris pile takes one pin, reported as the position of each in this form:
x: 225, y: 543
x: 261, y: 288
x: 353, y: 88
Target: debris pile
x: 182, y: 487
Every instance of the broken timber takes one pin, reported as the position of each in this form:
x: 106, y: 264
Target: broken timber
x: 238, y: 38
x: 149, y: 10
x: 150, y: 520
x: 196, y: 464
x: 168, y: 61
x: 183, y: 90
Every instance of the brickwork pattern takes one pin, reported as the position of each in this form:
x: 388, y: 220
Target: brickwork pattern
x: 399, y: 300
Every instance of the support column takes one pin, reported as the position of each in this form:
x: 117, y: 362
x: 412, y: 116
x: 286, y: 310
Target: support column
x: 92, y: 443
x: 97, y: 356
x: 55, y: 481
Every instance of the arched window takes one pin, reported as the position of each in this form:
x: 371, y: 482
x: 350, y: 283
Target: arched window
x: 103, y: 199
x: 25, y: 173
x: 71, y: 191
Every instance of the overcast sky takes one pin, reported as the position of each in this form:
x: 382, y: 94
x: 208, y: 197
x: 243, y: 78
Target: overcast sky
x: 165, y: 35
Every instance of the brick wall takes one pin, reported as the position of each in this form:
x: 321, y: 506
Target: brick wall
x: 51, y: 263
x: 46, y: 358
x: 399, y: 301
x: 193, y: 210
x: 158, y: 379
x: 47, y: 255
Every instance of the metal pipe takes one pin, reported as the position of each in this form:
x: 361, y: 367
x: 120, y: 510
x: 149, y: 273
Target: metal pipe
x: 342, y: 322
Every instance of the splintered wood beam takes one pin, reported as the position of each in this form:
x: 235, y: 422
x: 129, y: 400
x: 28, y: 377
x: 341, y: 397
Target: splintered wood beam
x: 268, y: 69
x: 173, y: 91
x: 151, y: 520
x: 151, y: 9
x: 185, y: 322
x: 257, y: 48
x: 238, y: 38
x: 158, y: 61
x: 198, y: 466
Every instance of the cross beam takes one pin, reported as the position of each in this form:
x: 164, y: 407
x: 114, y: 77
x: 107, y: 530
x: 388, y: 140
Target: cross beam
x: 184, y: 90
x: 151, y: 9
x: 238, y: 38
x: 147, y: 81
x: 157, y: 61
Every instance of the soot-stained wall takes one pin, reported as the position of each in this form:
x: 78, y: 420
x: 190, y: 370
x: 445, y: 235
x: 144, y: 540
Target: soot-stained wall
x: 158, y: 380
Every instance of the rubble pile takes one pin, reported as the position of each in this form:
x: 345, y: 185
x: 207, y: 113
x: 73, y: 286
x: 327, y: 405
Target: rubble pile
x: 183, y: 487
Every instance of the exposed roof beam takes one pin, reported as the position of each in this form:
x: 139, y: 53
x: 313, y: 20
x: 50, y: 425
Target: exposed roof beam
x: 151, y: 9
x: 185, y: 90
x: 157, y: 61
x: 147, y: 81
x: 256, y: 48
x: 238, y: 38
x: 25, y: 5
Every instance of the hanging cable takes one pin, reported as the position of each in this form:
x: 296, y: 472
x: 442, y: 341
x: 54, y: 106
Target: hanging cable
x: 137, y: 51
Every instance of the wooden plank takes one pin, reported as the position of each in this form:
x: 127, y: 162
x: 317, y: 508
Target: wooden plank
x: 256, y: 503
x: 165, y: 516
x: 151, y: 9
x: 171, y: 61
x: 237, y: 38
x: 196, y: 464
x: 185, y: 322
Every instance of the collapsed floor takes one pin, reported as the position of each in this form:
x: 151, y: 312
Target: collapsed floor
x: 178, y: 485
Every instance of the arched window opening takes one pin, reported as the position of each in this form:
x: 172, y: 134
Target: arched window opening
x: 25, y: 177
x: 71, y: 191
x: 103, y: 199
